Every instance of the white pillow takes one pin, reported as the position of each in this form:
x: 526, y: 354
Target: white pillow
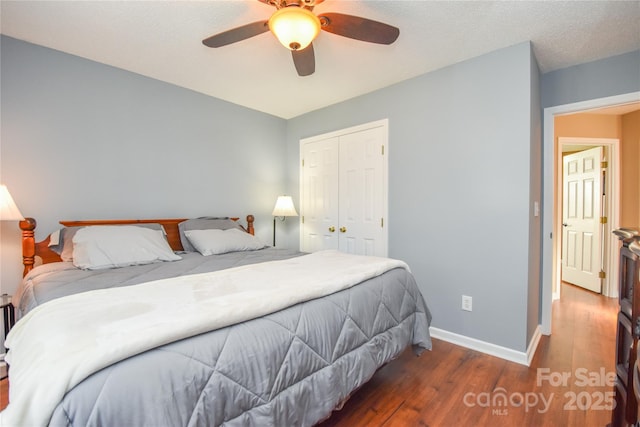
x: 215, y: 241
x: 99, y: 247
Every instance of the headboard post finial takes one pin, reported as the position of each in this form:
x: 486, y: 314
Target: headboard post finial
x: 28, y: 244
x: 250, y: 229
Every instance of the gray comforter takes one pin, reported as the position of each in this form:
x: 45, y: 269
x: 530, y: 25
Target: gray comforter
x: 290, y: 368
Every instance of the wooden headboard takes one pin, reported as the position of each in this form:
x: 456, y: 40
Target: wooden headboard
x: 32, y: 249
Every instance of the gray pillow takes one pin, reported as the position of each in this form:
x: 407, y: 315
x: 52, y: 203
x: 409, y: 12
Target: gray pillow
x: 65, y: 246
x: 204, y: 223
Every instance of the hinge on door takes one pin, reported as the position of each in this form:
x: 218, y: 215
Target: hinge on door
x: 381, y: 222
x: 302, y: 162
x: 302, y: 217
x: 382, y: 150
x: 602, y: 274
x: 604, y: 165
x: 603, y: 220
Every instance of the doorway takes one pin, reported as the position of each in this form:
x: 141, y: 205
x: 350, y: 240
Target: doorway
x: 582, y: 206
x: 601, y: 276
x: 550, y: 268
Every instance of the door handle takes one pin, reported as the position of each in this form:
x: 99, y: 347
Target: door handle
x: 343, y: 229
x: 332, y: 229
x: 564, y: 224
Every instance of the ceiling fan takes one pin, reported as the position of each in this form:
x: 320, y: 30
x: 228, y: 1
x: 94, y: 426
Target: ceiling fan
x: 296, y: 26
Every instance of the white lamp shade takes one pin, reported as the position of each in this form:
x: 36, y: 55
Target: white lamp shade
x: 295, y: 27
x: 8, y: 209
x: 284, y: 207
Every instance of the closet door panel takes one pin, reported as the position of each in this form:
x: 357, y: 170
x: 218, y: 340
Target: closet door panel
x: 319, y: 195
x: 361, y: 192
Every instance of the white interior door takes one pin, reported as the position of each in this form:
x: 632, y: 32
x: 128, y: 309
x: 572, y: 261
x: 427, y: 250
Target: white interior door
x: 361, y: 199
x: 581, y: 240
x: 319, y: 195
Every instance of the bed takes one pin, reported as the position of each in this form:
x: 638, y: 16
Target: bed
x: 218, y: 330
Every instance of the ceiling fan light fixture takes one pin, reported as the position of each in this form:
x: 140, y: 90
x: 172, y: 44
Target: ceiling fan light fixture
x: 295, y: 27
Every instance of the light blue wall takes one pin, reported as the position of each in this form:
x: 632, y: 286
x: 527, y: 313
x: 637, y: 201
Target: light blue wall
x: 81, y: 140
x: 616, y: 75
x: 534, y: 293
x: 460, y: 159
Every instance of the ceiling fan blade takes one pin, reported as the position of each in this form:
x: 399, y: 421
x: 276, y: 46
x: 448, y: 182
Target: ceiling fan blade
x: 359, y: 28
x: 304, y: 60
x: 236, y: 34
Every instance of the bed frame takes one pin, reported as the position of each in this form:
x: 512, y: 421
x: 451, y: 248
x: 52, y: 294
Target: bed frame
x: 32, y: 249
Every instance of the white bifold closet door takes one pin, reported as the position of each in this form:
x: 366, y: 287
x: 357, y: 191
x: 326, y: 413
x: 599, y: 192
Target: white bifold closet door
x: 344, y: 191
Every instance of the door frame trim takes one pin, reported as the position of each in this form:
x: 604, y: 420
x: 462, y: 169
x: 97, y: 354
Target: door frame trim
x: 609, y: 240
x: 383, y: 123
x: 548, y: 208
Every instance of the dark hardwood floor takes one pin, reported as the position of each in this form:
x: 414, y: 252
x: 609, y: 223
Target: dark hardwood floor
x: 452, y: 385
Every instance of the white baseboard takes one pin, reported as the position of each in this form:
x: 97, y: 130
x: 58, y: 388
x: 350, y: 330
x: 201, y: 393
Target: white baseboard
x: 488, y: 348
x: 533, y: 344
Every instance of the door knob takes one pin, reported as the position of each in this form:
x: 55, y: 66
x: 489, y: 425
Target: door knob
x: 343, y: 229
x: 332, y: 229
x: 564, y: 224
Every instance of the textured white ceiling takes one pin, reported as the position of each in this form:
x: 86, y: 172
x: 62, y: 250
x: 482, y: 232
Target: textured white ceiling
x: 162, y: 40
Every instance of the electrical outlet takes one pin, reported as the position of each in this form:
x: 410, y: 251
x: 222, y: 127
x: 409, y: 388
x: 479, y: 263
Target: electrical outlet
x: 467, y: 303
